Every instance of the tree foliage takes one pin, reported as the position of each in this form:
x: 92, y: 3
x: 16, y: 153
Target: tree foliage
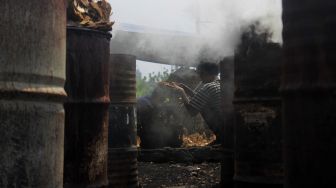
x: 146, y: 84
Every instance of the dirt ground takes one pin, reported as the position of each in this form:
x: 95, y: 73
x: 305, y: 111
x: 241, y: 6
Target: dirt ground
x: 179, y: 175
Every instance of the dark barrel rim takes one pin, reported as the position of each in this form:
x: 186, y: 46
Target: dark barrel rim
x: 83, y: 29
x: 123, y: 149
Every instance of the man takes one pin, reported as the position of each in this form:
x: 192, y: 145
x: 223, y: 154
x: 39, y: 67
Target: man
x: 207, y: 99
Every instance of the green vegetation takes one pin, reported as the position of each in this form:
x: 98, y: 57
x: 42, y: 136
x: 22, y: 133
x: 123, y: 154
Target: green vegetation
x: 145, y: 85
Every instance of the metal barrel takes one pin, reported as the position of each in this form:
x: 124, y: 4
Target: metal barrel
x: 258, y: 131
x: 227, y: 92
x: 86, y: 111
x: 308, y: 89
x: 32, y: 64
x: 122, y: 155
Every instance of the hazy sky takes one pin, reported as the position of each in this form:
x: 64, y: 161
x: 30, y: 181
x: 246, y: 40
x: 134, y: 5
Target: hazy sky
x: 163, y: 14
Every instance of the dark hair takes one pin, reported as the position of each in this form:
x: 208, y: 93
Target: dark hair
x: 208, y: 68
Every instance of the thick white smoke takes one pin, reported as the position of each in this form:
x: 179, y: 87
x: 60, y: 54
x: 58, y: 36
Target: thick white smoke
x: 212, y: 27
x: 222, y: 22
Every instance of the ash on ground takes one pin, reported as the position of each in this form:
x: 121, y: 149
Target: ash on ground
x: 179, y: 175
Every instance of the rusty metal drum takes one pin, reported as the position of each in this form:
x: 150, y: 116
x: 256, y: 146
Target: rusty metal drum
x: 122, y: 167
x: 32, y: 75
x: 86, y: 117
x: 308, y: 88
x: 227, y: 93
x: 258, y: 131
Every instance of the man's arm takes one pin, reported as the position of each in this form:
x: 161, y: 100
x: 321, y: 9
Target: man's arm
x: 198, y: 102
x: 186, y: 101
x: 187, y: 89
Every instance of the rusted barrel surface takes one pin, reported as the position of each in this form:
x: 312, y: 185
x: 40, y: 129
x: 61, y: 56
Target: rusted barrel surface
x: 122, y: 79
x: 86, y: 117
x: 32, y: 73
x: 122, y: 168
x: 308, y: 87
x: 227, y: 91
x: 258, y: 147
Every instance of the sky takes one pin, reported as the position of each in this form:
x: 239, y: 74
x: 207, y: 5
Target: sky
x: 161, y: 14
x: 148, y: 67
x: 219, y: 21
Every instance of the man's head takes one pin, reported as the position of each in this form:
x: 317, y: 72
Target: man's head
x: 207, y: 71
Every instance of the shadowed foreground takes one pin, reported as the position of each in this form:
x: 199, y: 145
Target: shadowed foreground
x: 204, y: 175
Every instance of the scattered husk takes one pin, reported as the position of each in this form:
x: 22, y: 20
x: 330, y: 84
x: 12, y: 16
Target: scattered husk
x: 90, y: 14
x: 197, y: 139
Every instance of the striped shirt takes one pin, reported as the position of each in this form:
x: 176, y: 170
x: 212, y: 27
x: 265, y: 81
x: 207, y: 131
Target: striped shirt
x: 207, y: 101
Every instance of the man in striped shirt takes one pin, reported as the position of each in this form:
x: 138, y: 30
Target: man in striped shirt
x: 207, y: 99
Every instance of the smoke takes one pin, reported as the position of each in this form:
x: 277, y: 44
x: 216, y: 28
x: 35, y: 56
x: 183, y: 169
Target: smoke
x: 226, y: 20
x: 188, y: 31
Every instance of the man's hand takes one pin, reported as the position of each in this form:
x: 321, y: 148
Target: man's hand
x: 172, y: 85
x: 177, y: 87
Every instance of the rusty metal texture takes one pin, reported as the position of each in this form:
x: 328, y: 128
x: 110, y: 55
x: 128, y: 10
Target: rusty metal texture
x: 257, y: 73
x: 258, y: 129
x: 258, y: 149
x: 123, y: 167
x: 32, y: 64
x: 122, y: 126
x: 122, y: 78
x: 227, y: 92
x: 122, y: 154
x: 87, y: 65
x: 308, y: 88
x: 86, y: 111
